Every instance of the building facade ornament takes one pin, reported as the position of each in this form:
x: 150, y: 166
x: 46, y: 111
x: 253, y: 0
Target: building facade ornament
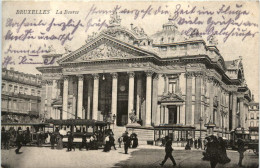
x: 114, y: 75
x: 95, y: 76
x: 131, y: 74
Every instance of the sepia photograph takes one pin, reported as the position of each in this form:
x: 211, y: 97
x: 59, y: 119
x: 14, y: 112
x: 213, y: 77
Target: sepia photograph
x: 128, y: 84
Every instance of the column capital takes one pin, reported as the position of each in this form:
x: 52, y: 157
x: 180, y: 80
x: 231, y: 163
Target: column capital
x: 131, y: 74
x: 114, y: 75
x: 80, y: 77
x: 149, y: 73
x: 65, y: 77
x: 95, y: 76
x: 199, y: 74
x: 156, y: 77
x: 188, y: 75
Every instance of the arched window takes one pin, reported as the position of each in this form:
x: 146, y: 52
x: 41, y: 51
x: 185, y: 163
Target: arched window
x: 252, y: 115
x: 239, y: 75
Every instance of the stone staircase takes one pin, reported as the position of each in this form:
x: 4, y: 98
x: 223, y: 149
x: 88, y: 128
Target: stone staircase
x: 143, y: 135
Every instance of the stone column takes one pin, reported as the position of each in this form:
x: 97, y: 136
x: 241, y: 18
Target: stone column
x: 166, y: 84
x: 139, y: 95
x: 95, y: 97
x: 148, y: 98
x: 54, y: 89
x: 90, y: 94
x: 188, y: 102
x: 80, y: 96
x: 65, y: 98
x: 162, y: 114
x: 178, y: 114
x: 211, y: 97
x: 155, y: 119
x: 234, y: 111
x: 131, y: 94
x: 182, y: 115
x: 242, y: 113
x: 198, y: 83
x: 166, y: 114
x: 114, y: 94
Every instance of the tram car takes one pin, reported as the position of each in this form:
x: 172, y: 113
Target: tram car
x: 240, y: 133
x: 35, y: 132
x: 97, y: 129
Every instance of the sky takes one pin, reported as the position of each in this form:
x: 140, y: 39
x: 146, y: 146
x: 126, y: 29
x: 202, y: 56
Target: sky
x: 148, y: 15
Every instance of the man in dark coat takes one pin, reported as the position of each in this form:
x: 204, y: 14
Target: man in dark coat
x: 53, y: 140
x: 112, y: 141
x: 19, y: 140
x: 70, y: 141
x: 241, y: 149
x: 168, y: 151
x: 199, y: 143
x: 126, y: 140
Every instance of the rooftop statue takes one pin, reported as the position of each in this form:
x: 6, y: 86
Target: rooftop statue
x: 114, y: 19
x: 213, y: 40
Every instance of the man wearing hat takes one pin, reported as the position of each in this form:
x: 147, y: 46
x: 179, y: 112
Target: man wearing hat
x: 126, y: 141
x: 19, y: 140
x: 168, y: 151
x: 70, y: 141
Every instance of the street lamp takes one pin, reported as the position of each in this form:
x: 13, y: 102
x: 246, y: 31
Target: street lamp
x: 200, y: 120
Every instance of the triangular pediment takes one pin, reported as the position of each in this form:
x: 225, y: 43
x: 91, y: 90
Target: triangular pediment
x: 171, y: 97
x: 104, y: 48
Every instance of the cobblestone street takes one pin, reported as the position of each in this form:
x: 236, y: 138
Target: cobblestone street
x: 144, y: 156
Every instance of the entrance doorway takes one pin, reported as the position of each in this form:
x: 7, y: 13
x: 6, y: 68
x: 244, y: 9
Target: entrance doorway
x: 172, y: 114
x: 122, y: 107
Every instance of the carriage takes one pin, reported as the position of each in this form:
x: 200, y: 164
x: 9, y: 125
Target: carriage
x: 240, y: 133
x: 78, y: 127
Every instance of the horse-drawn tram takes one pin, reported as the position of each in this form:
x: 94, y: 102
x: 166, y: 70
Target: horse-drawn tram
x: 240, y: 133
x: 79, y: 127
x: 33, y: 132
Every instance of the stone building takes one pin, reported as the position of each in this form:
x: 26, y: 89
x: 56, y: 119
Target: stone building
x: 165, y: 79
x: 253, y: 119
x: 21, y: 97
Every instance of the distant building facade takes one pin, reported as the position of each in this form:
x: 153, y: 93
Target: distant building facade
x: 164, y: 79
x: 253, y: 118
x: 21, y: 97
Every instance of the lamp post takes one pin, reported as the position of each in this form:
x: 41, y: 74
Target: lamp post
x: 200, y: 120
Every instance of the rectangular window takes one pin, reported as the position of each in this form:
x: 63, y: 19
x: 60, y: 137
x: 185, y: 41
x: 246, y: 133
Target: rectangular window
x: 33, y: 92
x: 26, y: 91
x: 172, y: 87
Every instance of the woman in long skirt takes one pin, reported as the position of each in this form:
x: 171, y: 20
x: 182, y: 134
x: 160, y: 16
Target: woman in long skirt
x: 59, y: 142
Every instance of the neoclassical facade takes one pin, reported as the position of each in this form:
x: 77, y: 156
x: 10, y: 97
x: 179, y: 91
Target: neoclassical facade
x: 164, y: 79
x: 21, y: 97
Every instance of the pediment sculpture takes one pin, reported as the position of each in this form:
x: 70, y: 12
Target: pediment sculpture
x: 104, y: 51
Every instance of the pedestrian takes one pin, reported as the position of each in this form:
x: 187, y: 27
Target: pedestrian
x: 19, y: 140
x: 70, y: 141
x: 191, y: 142
x: 126, y: 140
x: 168, y: 151
x: 199, y: 143
x: 59, y: 142
x: 3, y: 138
x: 135, y: 141
x: 53, y: 140
x: 222, y: 152
x: 7, y: 140
x: 241, y: 149
x: 120, y: 139
x: 92, y: 139
x: 205, y: 143
x: 195, y: 143
x: 112, y: 141
x: 107, y: 144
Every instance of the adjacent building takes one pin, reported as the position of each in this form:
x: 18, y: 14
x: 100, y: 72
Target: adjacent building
x: 21, y: 97
x: 165, y: 80
x: 253, y: 119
